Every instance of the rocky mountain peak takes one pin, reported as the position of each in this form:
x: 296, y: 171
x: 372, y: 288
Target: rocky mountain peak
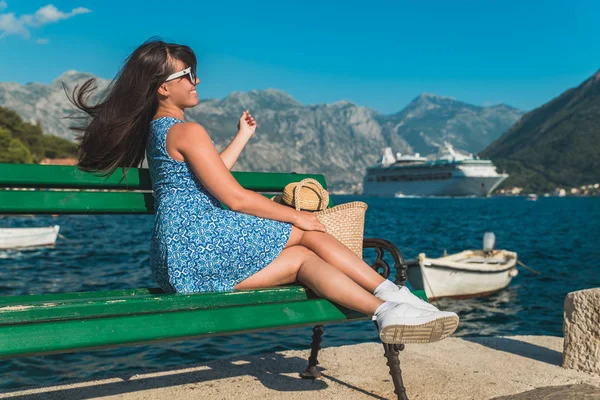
x: 273, y: 94
x: 425, y: 96
x: 342, y: 104
x: 276, y: 95
x: 73, y: 76
x: 427, y: 101
x: 593, y: 82
x: 273, y: 99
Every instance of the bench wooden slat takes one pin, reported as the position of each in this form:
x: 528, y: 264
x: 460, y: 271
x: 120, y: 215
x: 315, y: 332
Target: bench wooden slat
x: 79, y: 309
x: 49, y: 297
x: 60, y: 176
x: 65, y: 336
x: 78, y: 202
x: 272, y: 181
x: 75, y: 202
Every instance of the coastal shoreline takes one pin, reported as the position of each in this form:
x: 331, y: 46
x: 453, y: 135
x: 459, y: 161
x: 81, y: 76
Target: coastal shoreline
x: 455, y: 368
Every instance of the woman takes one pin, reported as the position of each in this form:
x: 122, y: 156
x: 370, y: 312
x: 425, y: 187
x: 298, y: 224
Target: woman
x: 196, y: 244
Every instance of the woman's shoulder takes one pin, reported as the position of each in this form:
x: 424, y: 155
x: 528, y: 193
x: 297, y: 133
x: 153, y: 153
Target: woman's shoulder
x: 188, y: 129
x: 190, y: 124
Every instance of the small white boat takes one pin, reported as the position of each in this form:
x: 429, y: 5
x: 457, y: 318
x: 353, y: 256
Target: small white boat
x: 16, y: 238
x: 470, y: 273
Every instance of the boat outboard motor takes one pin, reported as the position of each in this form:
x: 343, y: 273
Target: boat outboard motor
x: 489, y: 242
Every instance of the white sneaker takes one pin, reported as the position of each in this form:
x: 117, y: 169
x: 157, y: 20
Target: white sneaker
x: 404, y: 295
x: 405, y: 323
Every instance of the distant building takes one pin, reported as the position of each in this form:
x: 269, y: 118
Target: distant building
x: 516, y: 190
x: 59, y: 161
x: 512, y: 191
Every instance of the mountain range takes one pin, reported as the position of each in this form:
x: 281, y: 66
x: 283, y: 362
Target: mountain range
x: 339, y: 140
x: 555, y: 145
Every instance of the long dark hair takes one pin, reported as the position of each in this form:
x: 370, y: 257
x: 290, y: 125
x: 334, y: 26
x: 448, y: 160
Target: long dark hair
x: 116, y: 129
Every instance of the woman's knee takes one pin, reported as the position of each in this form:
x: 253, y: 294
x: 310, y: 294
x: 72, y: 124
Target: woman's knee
x: 302, y: 253
x: 306, y: 257
x: 295, y: 237
x: 297, y: 257
x: 294, y: 257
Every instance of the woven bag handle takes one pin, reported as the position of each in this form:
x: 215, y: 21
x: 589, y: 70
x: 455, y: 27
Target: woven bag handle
x: 322, y: 192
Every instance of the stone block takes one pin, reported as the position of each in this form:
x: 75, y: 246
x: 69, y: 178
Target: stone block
x: 581, y: 328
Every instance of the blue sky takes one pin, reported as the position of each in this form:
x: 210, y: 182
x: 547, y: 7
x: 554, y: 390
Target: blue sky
x: 378, y: 54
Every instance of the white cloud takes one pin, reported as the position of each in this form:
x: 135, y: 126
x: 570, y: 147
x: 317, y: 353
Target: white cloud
x: 49, y: 14
x: 12, y: 25
x: 41, y: 41
x: 3, y: 5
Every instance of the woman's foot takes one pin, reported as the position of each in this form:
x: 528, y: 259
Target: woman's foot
x: 403, y: 295
x: 406, y: 323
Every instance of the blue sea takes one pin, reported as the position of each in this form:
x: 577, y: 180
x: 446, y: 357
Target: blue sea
x: 556, y: 236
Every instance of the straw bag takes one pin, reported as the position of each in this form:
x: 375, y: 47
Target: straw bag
x: 345, y: 222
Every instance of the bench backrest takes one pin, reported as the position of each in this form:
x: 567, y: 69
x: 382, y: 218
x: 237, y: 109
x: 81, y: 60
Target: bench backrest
x: 57, y: 189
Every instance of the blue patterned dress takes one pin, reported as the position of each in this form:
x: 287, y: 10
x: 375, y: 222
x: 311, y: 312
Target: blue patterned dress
x: 196, y: 244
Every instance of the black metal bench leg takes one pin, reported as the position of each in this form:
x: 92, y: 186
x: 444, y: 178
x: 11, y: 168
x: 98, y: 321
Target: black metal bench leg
x: 311, y: 371
x: 392, y: 353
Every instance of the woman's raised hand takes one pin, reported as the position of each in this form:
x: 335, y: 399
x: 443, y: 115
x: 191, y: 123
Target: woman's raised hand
x: 308, y: 222
x: 246, y: 125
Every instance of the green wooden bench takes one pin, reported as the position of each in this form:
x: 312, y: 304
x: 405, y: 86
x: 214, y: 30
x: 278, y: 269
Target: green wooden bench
x: 57, y: 323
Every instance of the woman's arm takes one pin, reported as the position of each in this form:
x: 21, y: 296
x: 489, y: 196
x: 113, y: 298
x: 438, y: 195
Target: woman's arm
x: 246, y: 128
x: 233, y: 150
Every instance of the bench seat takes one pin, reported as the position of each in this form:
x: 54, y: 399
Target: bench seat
x: 58, y: 323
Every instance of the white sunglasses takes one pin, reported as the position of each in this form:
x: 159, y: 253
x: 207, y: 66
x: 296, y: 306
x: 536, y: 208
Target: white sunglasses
x: 187, y: 71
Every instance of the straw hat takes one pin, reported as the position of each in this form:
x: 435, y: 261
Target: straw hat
x: 308, y: 195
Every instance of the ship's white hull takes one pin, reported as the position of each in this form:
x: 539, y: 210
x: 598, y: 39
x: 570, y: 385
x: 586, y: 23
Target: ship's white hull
x: 454, y: 186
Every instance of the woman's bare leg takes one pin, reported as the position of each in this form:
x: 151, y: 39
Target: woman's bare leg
x: 299, y: 263
x: 335, y: 253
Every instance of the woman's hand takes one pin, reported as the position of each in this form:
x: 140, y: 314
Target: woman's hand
x: 246, y: 124
x: 308, y: 222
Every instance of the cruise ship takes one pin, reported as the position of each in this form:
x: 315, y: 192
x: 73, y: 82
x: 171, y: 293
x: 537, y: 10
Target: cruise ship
x: 453, y: 174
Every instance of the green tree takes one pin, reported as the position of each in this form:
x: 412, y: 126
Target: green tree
x: 10, y: 120
x: 32, y: 138
x: 12, y: 150
x: 57, y: 147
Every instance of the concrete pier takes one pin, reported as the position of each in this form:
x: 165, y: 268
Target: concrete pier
x: 516, y: 368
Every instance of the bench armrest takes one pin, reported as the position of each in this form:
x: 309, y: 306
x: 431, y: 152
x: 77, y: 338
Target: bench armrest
x: 379, y: 264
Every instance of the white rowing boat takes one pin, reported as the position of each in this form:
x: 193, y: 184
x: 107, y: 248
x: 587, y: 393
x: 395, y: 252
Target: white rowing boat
x: 470, y: 273
x: 16, y: 238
